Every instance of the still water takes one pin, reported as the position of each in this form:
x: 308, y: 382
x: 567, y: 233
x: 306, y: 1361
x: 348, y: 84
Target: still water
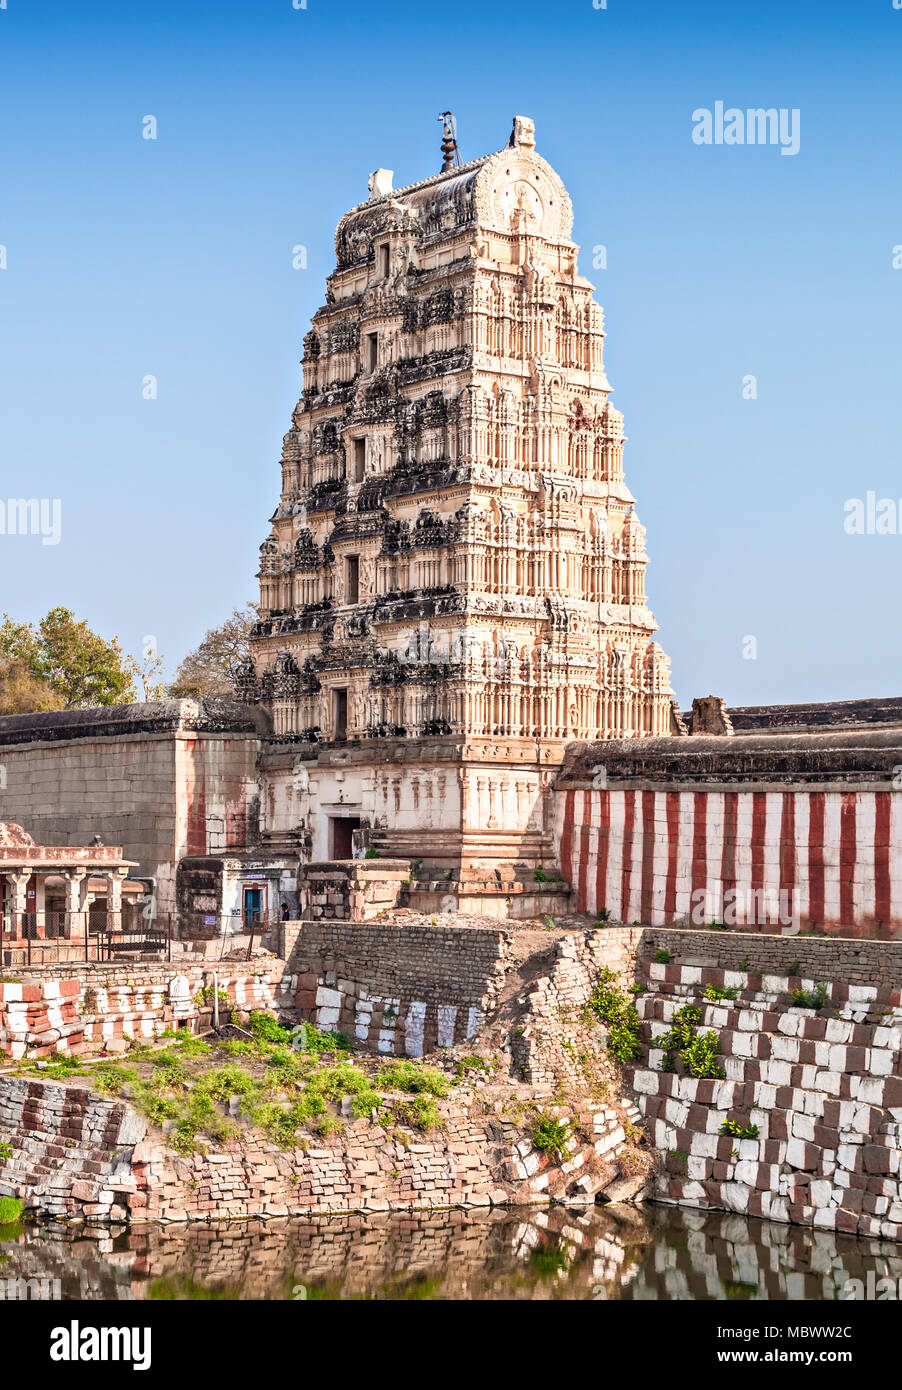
x: 529, y: 1253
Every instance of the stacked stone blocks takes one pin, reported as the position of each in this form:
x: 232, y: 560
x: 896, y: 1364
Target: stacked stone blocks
x: 824, y: 1090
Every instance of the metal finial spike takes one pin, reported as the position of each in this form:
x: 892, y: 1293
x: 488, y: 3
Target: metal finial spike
x: 450, y: 152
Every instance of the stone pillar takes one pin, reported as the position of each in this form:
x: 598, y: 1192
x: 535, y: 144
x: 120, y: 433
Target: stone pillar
x: 39, y: 905
x: 18, y: 902
x: 114, y: 898
x: 76, y: 910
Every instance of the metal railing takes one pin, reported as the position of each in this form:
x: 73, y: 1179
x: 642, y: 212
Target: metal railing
x: 50, y: 938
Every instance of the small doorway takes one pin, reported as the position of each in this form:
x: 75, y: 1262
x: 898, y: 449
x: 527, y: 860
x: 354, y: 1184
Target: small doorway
x: 252, y: 906
x: 343, y: 828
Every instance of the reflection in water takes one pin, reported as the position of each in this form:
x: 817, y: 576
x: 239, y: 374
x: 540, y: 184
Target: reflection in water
x: 529, y: 1253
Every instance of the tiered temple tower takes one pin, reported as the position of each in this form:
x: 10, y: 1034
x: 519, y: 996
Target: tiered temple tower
x: 453, y: 587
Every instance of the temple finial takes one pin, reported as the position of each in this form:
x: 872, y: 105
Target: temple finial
x: 450, y: 152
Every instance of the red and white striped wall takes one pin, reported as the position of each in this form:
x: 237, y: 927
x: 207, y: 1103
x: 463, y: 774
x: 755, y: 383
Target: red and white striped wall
x: 785, y: 860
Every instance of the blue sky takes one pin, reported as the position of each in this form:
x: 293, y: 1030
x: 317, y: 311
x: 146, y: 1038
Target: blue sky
x: 129, y: 257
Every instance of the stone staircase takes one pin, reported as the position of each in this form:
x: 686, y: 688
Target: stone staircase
x: 822, y: 1087
x: 66, y: 1151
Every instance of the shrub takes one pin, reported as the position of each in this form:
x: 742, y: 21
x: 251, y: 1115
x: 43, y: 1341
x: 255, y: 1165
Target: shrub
x: 205, y: 997
x: 314, y: 1040
x: 738, y: 1131
x: 550, y: 1135
x: 701, y: 1057
x: 409, y: 1076
x: 714, y: 993
x: 612, y: 1005
x: 230, y: 1080
x: 267, y: 1029
x: 420, y: 1112
x: 623, y: 1040
x: 699, y: 1052
x: 809, y: 999
x: 682, y: 1029
x: 110, y: 1079
x: 280, y: 1122
x: 663, y: 957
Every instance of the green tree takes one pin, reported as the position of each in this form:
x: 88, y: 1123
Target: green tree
x: 82, y: 668
x: 21, y: 691
x: 207, y: 671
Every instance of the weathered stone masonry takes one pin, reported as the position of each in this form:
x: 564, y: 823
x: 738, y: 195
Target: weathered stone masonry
x: 825, y: 1092
x: 165, y: 781
x: 74, y: 1009
x: 396, y: 989
x: 454, y: 580
x: 801, y: 828
x: 78, y: 1157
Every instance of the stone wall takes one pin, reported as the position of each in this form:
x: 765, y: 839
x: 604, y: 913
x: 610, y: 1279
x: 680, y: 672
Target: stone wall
x: 841, y: 959
x: 823, y: 1089
x: 88, y: 1008
x: 550, y: 1043
x: 395, y: 988
x: 163, y: 780
x: 74, y: 1156
x: 351, y: 890
x: 812, y: 840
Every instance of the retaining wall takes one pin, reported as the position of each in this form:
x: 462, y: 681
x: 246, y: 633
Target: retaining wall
x: 822, y: 1088
x: 395, y: 989
x: 77, y: 1157
x: 92, y: 1007
x: 759, y: 828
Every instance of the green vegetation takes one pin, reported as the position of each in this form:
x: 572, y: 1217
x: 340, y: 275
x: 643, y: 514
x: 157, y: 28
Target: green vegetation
x: 372, y: 854
x: 12, y: 1213
x: 550, y: 1135
x: 612, y: 1005
x: 701, y: 1058
x: 412, y: 1076
x: 11, y: 1210
x: 737, y: 1131
x: 809, y: 999
x: 61, y: 664
x: 276, y: 1080
x: 663, y: 957
x: 699, y: 1053
x: 714, y: 994
x: 205, y: 997
x: 471, y: 1063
